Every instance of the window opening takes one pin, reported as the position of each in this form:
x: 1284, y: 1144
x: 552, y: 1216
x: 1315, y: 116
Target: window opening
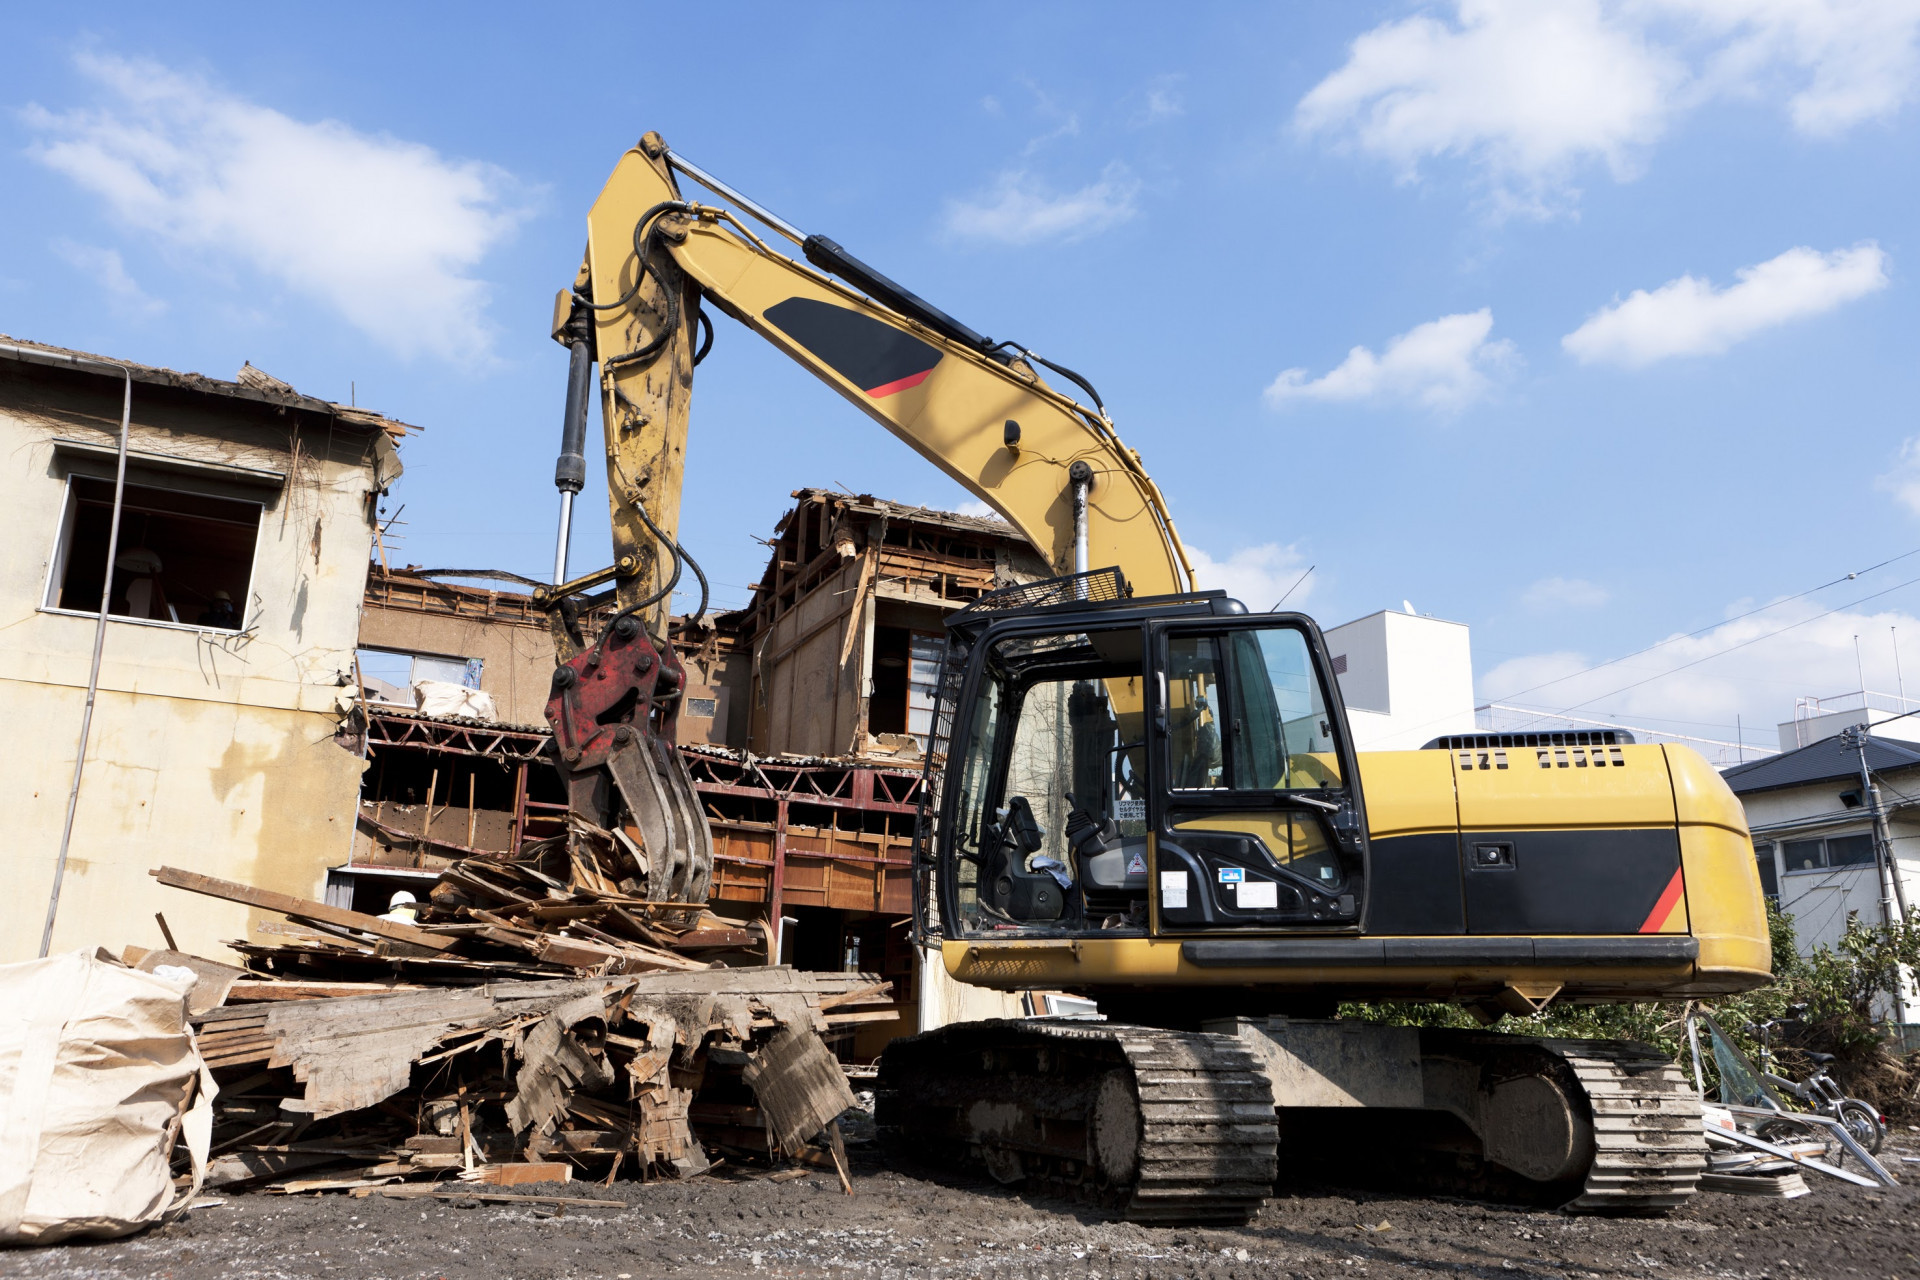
x: 182, y: 557
x: 392, y: 676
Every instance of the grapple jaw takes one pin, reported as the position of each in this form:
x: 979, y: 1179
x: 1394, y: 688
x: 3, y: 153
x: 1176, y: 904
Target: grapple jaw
x: 613, y: 712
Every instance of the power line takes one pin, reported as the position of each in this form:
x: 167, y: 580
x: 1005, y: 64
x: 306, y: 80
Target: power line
x: 1744, y: 643
x: 1658, y: 644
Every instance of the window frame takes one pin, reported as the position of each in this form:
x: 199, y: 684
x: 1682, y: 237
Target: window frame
x: 62, y: 547
x: 412, y: 656
x: 1827, y: 865
x: 965, y: 716
x: 1161, y: 638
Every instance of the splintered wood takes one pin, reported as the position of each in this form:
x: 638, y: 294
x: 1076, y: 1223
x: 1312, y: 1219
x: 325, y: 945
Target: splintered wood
x: 523, y: 1022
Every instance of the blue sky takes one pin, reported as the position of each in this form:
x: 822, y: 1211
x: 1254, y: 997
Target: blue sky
x: 1590, y: 325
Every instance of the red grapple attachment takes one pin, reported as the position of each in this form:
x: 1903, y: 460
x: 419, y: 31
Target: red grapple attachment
x: 613, y: 711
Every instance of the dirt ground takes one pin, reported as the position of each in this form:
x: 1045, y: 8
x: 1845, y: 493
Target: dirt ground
x: 911, y: 1225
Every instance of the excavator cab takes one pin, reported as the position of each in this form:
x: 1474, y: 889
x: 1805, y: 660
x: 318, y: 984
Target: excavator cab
x: 1162, y: 766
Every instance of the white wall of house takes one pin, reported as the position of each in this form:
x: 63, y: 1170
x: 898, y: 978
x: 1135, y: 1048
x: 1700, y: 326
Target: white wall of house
x: 1406, y: 679
x: 213, y: 749
x: 1795, y: 824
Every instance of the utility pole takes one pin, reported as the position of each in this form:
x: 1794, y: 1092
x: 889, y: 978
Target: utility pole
x: 1888, y: 867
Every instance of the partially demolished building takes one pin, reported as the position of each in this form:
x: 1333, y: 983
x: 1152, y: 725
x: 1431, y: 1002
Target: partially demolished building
x: 245, y: 529
x: 802, y: 728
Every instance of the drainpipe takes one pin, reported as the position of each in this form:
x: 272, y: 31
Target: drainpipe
x: 34, y: 356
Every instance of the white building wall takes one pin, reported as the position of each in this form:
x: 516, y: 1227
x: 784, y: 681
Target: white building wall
x: 1822, y: 900
x: 1406, y: 680
x: 213, y: 751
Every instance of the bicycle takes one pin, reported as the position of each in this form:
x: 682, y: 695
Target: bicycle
x: 1819, y: 1093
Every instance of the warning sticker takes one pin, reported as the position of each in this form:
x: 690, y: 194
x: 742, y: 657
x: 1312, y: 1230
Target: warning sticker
x: 1137, y: 864
x: 1173, y: 890
x: 1257, y: 895
x: 1129, y: 810
x: 1232, y: 875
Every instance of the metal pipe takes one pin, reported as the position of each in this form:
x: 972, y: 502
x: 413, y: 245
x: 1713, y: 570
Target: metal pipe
x: 1080, y: 481
x: 33, y: 356
x: 719, y: 188
x: 570, y: 470
x: 565, y: 536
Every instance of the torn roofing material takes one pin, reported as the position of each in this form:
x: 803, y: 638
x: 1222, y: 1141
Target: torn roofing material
x: 253, y: 386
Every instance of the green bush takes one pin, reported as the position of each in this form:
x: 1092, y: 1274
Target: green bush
x: 1838, y: 986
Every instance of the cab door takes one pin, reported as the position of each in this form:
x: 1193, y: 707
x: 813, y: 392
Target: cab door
x: 1255, y: 807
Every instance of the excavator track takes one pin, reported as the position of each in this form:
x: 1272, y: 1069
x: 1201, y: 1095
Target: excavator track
x: 1156, y: 1126
x: 1593, y: 1126
x: 1649, y: 1147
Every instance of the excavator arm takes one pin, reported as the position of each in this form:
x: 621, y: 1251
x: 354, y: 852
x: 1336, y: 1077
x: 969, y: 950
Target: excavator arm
x: 975, y: 408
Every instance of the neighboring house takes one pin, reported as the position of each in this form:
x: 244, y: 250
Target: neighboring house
x: 245, y: 531
x: 1813, y: 831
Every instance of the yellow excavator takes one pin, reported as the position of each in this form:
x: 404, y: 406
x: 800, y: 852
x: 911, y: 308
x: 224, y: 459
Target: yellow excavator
x: 1141, y: 792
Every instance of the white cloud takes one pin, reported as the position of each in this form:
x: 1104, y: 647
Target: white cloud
x: 1021, y: 209
x: 1549, y: 594
x: 1525, y: 88
x: 386, y: 232
x: 1903, y: 480
x: 1255, y: 576
x: 1841, y: 62
x: 1531, y: 90
x: 1756, y: 683
x: 1162, y: 101
x: 975, y: 507
x: 1688, y: 316
x: 103, y: 269
x: 1443, y: 365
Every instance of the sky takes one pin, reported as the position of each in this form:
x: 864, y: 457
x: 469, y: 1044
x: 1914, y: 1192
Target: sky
x: 1590, y: 325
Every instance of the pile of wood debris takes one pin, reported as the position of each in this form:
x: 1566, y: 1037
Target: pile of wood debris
x: 548, y: 914
x: 527, y: 1027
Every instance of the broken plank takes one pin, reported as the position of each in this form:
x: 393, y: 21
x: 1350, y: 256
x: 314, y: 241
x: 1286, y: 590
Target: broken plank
x: 876, y: 1015
x: 870, y: 994
x: 522, y: 1173
x: 288, y: 905
x: 253, y: 990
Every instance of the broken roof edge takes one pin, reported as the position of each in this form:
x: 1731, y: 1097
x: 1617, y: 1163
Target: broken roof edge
x: 24, y: 349
x: 867, y: 504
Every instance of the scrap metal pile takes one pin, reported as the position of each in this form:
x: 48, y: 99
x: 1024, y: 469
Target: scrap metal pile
x: 527, y: 1027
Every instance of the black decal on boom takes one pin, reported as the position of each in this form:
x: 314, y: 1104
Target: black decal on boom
x: 876, y: 357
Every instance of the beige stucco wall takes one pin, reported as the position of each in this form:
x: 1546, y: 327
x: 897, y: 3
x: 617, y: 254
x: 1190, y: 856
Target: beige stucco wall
x: 210, y: 751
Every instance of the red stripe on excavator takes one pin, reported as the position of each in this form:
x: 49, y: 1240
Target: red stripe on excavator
x: 899, y: 384
x: 1657, y: 918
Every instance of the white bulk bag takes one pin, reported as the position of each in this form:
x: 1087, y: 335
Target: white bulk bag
x: 445, y: 700
x: 98, y: 1076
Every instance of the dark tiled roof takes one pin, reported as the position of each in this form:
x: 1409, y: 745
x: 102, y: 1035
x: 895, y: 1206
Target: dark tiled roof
x: 1828, y: 760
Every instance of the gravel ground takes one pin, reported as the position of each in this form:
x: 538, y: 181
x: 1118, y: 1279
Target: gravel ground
x: 901, y: 1225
